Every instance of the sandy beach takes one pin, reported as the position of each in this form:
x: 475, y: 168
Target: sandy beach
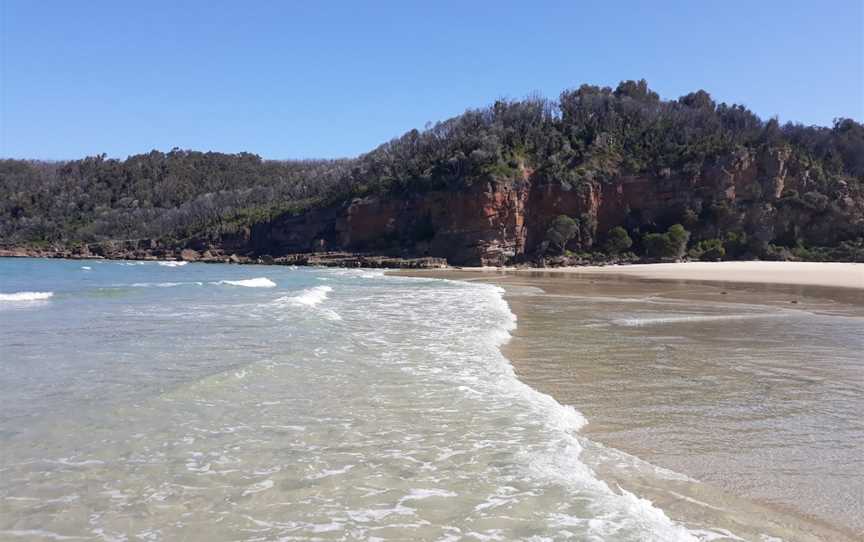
x: 833, y: 274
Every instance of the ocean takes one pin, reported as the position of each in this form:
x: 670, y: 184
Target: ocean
x: 158, y: 401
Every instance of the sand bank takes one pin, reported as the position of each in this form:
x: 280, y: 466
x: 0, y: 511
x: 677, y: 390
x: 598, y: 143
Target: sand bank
x: 834, y: 274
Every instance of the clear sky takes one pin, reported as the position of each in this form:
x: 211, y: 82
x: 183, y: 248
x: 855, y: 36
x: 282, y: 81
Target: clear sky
x: 301, y: 79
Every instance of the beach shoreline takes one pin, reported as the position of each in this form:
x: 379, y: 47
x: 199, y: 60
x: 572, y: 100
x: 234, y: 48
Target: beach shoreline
x: 780, y: 286
x: 823, y: 274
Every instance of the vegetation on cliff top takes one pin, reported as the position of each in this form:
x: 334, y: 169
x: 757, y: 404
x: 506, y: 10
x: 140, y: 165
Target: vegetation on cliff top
x: 589, y: 135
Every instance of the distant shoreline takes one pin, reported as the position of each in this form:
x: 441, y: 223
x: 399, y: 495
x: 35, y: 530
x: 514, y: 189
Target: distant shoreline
x: 827, y: 274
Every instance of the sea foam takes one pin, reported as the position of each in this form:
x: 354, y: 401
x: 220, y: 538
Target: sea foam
x: 309, y: 297
x: 164, y: 284
x: 258, y: 282
x: 172, y: 264
x: 26, y: 296
x: 559, y: 459
x: 641, y: 322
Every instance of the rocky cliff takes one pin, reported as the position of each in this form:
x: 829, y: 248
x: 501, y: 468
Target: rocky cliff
x: 496, y: 223
x: 762, y: 194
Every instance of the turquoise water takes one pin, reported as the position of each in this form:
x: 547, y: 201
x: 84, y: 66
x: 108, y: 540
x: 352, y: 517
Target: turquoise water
x: 143, y: 401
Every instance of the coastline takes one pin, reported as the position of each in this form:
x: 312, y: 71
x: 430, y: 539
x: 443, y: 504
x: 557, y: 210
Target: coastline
x: 312, y: 259
x: 820, y: 274
x: 804, y: 286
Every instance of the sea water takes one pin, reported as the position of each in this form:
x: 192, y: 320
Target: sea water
x: 158, y: 401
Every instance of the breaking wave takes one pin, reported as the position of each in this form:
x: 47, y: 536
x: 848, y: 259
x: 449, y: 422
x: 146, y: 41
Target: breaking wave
x: 26, y: 296
x: 165, y: 284
x: 258, y: 282
x: 309, y: 297
x: 561, y: 460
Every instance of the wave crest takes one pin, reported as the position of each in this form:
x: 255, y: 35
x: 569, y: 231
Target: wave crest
x: 164, y: 284
x: 309, y: 297
x: 257, y: 282
x: 26, y: 296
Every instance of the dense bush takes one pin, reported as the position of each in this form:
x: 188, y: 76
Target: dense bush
x: 618, y: 241
x: 154, y: 195
x: 666, y: 246
x: 709, y: 250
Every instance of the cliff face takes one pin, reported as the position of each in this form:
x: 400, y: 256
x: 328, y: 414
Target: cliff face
x: 494, y: 223
x: 482, y: 225
x: 765, y: 194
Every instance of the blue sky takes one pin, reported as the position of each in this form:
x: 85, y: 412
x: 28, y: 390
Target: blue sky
x: 291, y: 79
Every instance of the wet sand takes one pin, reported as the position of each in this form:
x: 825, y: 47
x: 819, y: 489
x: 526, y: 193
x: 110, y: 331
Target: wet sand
x: 751, y: 388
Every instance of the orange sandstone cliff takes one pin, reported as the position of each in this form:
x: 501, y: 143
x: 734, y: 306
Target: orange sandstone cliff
x: 494, y: 223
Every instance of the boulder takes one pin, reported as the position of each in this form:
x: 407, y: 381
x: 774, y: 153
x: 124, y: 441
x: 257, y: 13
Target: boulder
x: 189, y: 255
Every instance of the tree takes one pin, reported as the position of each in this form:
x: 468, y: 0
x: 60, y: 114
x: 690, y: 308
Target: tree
x: 667, y: 246
x: 678, y: 238
x: 638, y: 90
x: 618, y: 241
x: 562, y: 230
x: 709, y: 250
x: 698, y: 100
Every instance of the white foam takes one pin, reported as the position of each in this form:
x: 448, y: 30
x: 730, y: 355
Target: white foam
x: 259, y: 487
x: 640, y: 322
x: 559, y: 459
x: 309, y: 297
x: 420, y: 494
x: 331, y: 315
x: 360, y: 273
x: 258, y: 282
x: 26, y: 296
x: 326, y: 473
x: 164, y: 284
x: 172, y: 264
x: 86, y: 268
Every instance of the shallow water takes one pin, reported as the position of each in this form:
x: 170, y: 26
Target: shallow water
x: 213, y: 402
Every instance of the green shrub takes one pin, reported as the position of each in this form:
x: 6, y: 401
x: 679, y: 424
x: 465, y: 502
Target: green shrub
x: 666, y: 246
x: 562, y: 230
x: 656, y: 245
x: 709, y: 250
x: 618, y: 241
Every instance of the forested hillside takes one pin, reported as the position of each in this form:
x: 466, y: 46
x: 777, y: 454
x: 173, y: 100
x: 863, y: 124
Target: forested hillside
x: 759, y: 188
